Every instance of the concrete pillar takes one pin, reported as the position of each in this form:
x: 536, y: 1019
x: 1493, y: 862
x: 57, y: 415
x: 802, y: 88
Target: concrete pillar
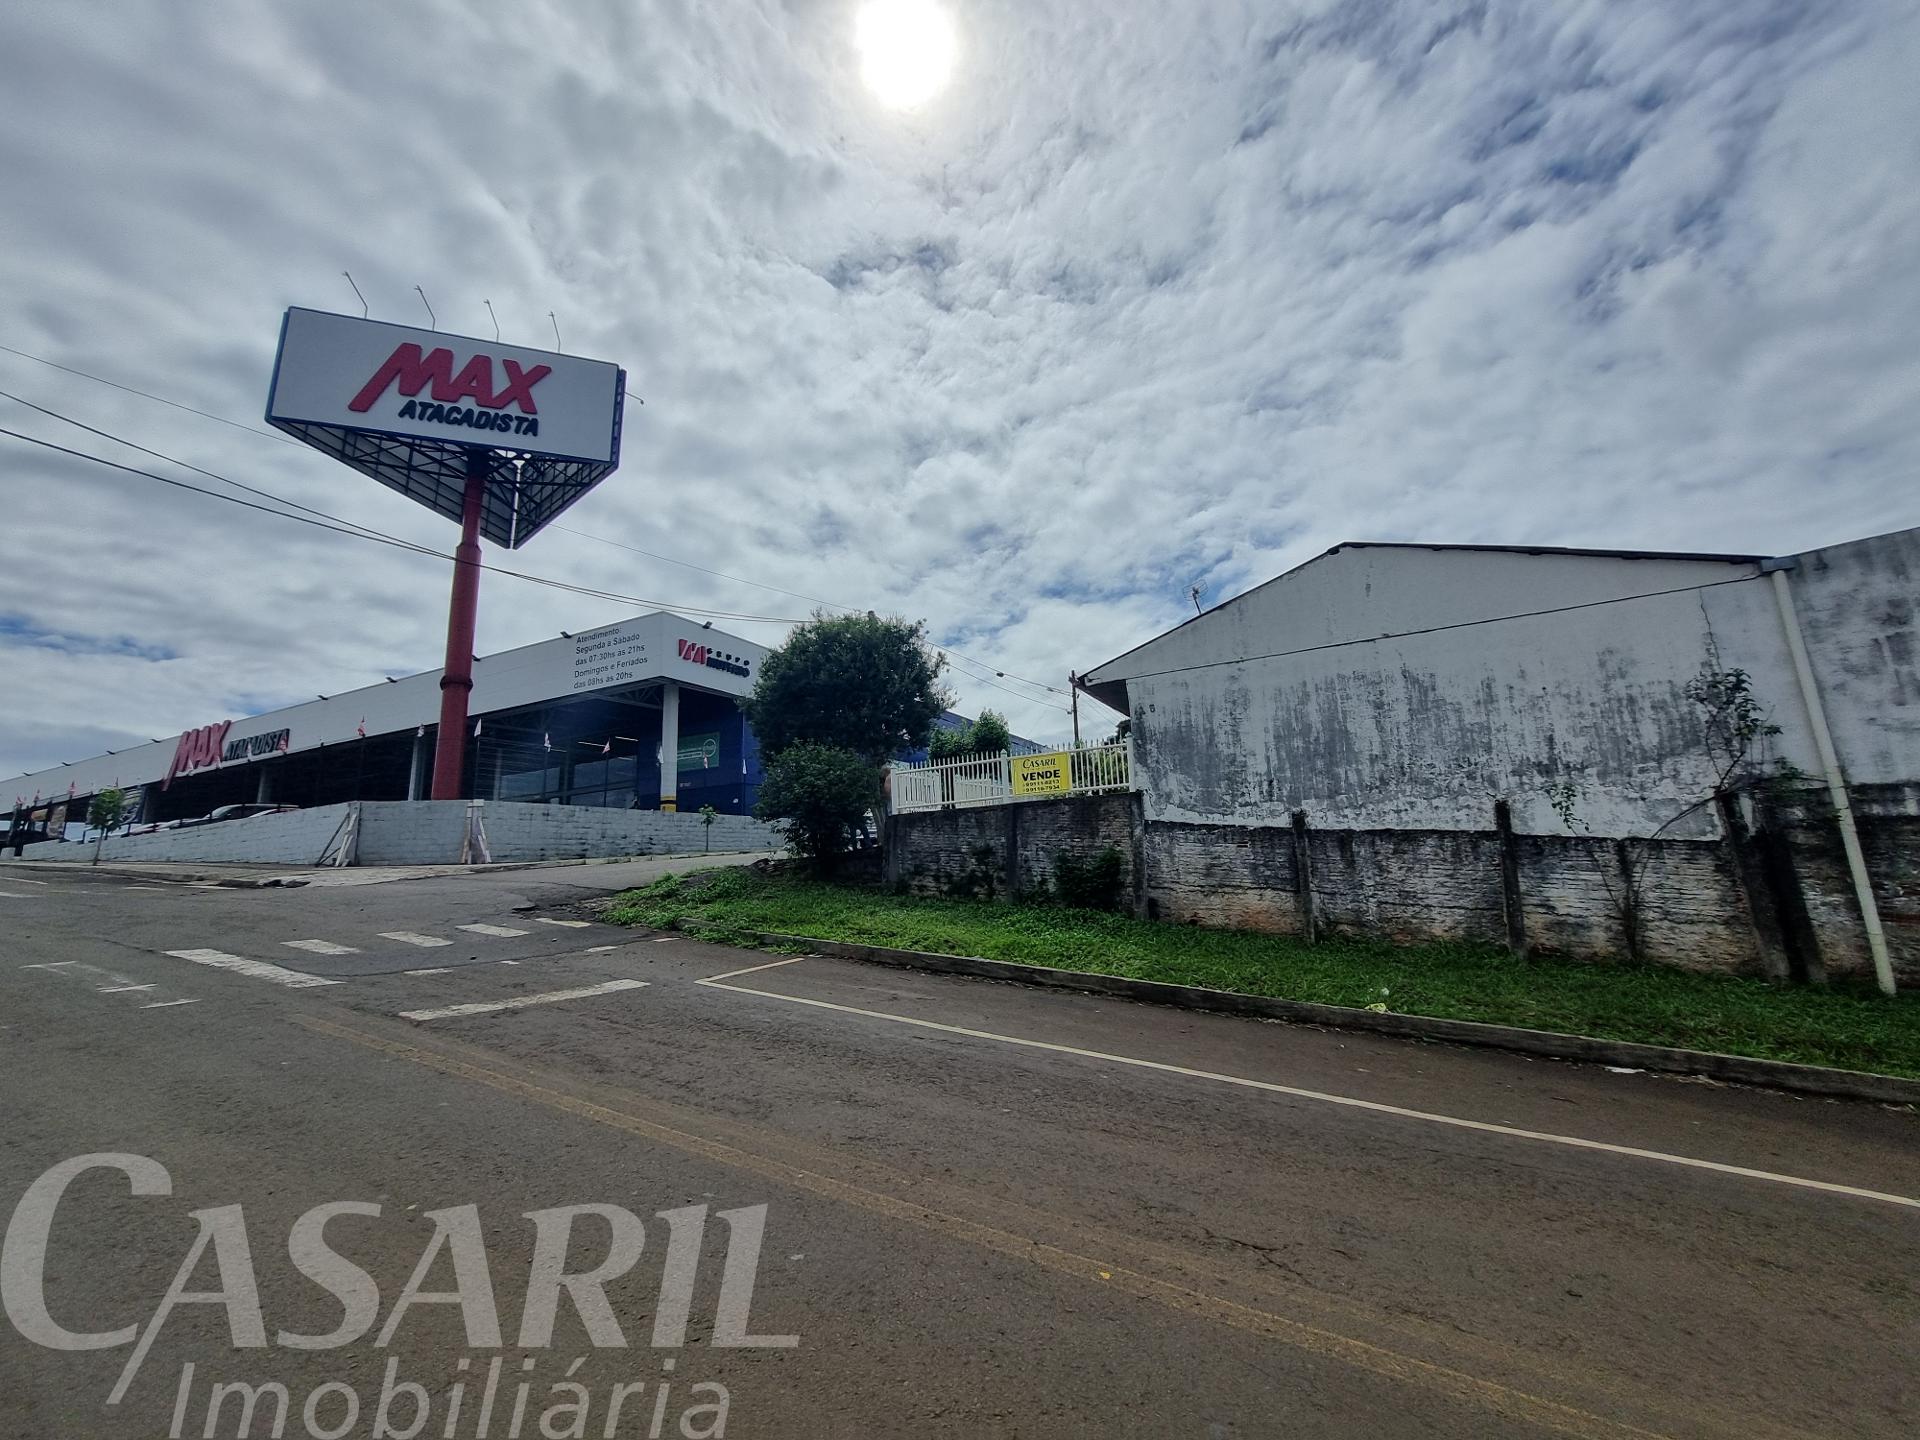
x: 669, y: 746
x: 417, y: 771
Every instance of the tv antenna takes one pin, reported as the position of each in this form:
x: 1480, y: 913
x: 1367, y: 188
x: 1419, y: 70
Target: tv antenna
x: 356, y: 293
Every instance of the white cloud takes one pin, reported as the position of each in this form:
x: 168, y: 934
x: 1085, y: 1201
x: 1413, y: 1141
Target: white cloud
x: 1150, y: 296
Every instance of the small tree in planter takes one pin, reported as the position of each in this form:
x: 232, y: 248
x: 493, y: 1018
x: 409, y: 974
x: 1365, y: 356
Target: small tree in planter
x: 707, y: 816
x: 108, y: 809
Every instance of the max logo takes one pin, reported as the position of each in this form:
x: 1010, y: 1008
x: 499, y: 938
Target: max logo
x: 697, y: 654
x: 415, y: 371
x: 197, y: 750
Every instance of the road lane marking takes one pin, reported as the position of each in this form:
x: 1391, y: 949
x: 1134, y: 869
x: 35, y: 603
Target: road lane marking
x: 751, y: 970
x: 9, y: 895
x: 1485, y: 1127
x: 168, y: 1004
x: 123, y: 989
x: 410, y: 937
x: 1503, y: 1400
x: 257, y: 969
x: 23, y: 880
x: 432, y: 970
x: 50, y: 965
x: 320, y: 947
x: 551, y: 997
x: 599, y: 949
x: 500, y: 931
x: 570, y: 924
x: 661, y: 939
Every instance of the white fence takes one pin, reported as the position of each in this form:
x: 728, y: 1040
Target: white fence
x: 968, y: 780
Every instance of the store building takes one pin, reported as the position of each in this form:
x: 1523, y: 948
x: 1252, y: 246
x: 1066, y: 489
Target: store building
x: 643, y: 715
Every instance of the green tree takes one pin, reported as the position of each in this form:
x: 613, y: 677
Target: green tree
x: 707, y: 816
x: 823, y: 793
x: 107, y: 810
x: 990, y: 734
x: 855, y: 682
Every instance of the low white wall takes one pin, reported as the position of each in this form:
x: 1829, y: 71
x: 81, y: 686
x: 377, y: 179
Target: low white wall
x: 428, y: 832
x: 291, y: 837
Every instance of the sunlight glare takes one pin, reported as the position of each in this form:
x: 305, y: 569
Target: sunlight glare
x: 907, y: 50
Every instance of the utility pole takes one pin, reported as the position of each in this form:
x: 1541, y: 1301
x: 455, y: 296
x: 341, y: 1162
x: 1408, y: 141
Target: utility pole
x: 1073, y: 688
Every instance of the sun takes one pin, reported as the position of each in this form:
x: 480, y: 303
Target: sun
x: 907, y: 49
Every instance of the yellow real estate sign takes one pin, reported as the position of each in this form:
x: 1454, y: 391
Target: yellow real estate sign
x: 1047, y: 774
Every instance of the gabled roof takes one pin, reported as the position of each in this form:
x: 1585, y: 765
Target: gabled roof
x: 1113, y: 693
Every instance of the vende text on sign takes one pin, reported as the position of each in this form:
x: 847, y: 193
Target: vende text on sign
x: 1047, y: 774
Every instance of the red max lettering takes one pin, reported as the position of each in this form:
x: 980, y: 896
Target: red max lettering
x: 413, y: 371
x: 197, y: 749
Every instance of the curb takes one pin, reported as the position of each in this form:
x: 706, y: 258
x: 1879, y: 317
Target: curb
x: 1739, y: 1069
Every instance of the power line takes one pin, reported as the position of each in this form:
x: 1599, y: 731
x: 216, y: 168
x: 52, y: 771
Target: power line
x: 361, y: 533
x: 294, y: 504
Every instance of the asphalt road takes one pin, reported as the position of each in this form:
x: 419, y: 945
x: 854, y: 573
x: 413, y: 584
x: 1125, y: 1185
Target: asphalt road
x: 989, y: 1211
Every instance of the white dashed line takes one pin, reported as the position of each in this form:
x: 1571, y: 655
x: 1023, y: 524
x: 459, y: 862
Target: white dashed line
x: 570, y: 924
x: 551, y: 997
x: 498, y: 930
x: 600, y: 949
x: 9, y: 895
x: 409, y: 937
x: 168, y: 1004
x: 257, y: 969
x: 122, y: 989
x: 433, y: 970
x: 320, y: 947
x: 50, y: 965
x: 23, y: 880
x: 661, y: 939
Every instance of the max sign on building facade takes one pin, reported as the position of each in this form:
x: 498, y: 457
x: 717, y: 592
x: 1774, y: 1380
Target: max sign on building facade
x: 208, y: 746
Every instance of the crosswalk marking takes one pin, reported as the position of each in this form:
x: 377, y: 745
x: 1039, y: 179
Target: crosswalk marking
x: 500, y: 931
x: 409, y: 937
x: 257, y: 969
x: 320, y: 947
x: 551, y: 997
x: 570, y: 924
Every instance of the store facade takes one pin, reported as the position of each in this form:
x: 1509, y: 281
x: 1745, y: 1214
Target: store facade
x: 643, y: 714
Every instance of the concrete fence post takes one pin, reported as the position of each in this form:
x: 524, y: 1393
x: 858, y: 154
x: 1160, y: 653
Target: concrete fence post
x: 1510, y: 898
x: 1303, y: 877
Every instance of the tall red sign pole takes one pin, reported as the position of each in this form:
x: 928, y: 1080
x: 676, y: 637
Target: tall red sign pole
x: 456, y: 682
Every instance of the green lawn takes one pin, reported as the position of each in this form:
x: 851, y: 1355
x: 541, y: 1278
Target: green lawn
x: 1851, y: 1028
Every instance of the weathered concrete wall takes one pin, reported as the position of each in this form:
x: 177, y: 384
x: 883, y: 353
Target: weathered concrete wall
x: 1691, y: 906
x: 1404, y: 688
x: 1002, y: 851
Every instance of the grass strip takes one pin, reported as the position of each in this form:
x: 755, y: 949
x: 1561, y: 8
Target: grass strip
x: 1850, y: 1027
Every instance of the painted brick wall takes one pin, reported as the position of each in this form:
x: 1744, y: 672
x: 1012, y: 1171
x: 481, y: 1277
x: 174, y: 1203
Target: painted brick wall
x: 296, y: 837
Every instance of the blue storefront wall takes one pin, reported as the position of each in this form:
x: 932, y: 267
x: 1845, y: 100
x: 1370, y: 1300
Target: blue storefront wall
x: 597, y: 753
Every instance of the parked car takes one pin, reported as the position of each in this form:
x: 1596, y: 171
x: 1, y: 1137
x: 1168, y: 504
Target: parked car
x: 235, y: 812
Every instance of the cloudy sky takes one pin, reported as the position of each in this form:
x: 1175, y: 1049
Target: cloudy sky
x: 1149, y: 296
